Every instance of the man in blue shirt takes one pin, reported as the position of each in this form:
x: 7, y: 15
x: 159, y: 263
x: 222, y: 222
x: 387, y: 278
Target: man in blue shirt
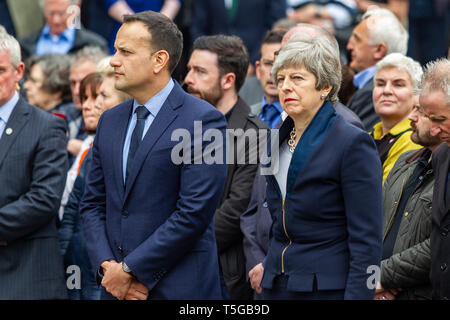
x: 58, y: 36
x: 270, y: 109
x: 378, y: 34
x: 150, y: 234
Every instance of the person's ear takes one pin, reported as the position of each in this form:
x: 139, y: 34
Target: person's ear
x: 228, y: 80
x: 257, y: 70
x: 161, y: 60
x: 380, y: 51
x: 19, y: 71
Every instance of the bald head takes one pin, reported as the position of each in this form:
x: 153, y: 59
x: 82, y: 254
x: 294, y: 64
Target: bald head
x: 56, y: 14
x: 304, y: 31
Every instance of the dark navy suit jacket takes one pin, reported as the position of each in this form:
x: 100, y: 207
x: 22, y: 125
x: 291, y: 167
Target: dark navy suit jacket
x: 328, y: 232
x: 161, y: 222
x: 256, y: 220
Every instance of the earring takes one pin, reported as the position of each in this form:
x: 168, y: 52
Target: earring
x: 323, y: 96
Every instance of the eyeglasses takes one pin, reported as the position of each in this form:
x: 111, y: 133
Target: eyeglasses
x: 53, y: 13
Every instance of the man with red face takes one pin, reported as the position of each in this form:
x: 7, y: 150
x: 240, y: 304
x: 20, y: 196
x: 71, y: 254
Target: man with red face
x: 435, y: 101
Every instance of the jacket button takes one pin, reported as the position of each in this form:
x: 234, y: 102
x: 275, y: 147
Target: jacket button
x: 443, y: 266
x: 120, y: 249
x: 406, y: 214
x: 125, y: 213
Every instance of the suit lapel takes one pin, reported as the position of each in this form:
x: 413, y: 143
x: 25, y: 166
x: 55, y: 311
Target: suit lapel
x: 163, y: 119
x: 17, y: 120
x: 283, y: 133
x: 310, y: 141
x: 119, y: 141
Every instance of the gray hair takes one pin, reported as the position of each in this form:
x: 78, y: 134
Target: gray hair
x: 104, y: 68
x: 302, y: 30
x: 384, y: 27
x: 437, y: 77
x: 317, y: 56
x: 55, y: 68
x: 400, y: 61
x: 9, y: 44
x: 88, y: 53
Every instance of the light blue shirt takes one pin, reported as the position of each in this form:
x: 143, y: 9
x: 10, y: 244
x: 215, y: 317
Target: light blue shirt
x: 361, y: 78
x: 153, y: 106
x: 6, y: 110
x: 61, y: 44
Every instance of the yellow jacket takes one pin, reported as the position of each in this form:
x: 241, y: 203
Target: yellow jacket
x: 401, y: 144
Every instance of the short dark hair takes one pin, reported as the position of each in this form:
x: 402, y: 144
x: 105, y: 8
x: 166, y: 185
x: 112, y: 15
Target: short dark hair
x: 273, y: 36
x: 232, y: 55
x: 165, y: 34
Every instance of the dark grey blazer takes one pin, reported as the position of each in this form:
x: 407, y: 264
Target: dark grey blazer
x: 361, y: 103
x: 33, y: 166
x: 440, y: 232
x: 234, y: 201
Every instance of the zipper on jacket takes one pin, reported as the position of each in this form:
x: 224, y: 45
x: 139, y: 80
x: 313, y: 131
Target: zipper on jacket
x: 290, y: 241
x: 388, y: 227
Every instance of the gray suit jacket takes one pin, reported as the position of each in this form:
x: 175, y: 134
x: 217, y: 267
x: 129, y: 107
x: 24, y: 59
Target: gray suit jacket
x: 235, y: 199
x: 33, y: 166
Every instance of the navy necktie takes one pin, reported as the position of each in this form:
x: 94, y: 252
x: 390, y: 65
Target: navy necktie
x: 270, y: 113
x: 142, y: 114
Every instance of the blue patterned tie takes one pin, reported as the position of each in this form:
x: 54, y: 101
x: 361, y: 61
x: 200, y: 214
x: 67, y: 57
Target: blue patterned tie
x: 142, y: 114
x: 270, y: 114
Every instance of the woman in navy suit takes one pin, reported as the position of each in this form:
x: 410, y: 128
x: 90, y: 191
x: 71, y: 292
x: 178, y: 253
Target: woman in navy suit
x: 325, y: 198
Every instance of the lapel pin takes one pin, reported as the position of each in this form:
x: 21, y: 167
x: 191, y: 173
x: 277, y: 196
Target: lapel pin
x: 9, y: 131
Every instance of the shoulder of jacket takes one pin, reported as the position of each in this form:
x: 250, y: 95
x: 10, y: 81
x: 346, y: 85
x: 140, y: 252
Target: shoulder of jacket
x: 254, y: 121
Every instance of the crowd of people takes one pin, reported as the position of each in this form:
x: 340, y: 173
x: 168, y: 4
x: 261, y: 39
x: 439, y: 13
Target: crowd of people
x: 225, y: 149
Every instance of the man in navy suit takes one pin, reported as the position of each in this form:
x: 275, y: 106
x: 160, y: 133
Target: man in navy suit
x: 148, y: 217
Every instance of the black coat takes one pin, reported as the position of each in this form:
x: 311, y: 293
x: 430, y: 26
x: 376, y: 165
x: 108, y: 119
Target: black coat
x: 440, y: 238
x: 234, y: 202
x: 361, y: 103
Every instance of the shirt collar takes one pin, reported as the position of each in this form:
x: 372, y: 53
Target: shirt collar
x: 68, y: 34
x: 277, y: 104
x: 397, y: 129
x: 156, y: 102
x: 8, y: 107
x: 361, y: 78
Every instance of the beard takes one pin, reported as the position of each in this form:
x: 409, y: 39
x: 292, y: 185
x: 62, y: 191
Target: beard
x: 425, y: 140
x: 212, y: 95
